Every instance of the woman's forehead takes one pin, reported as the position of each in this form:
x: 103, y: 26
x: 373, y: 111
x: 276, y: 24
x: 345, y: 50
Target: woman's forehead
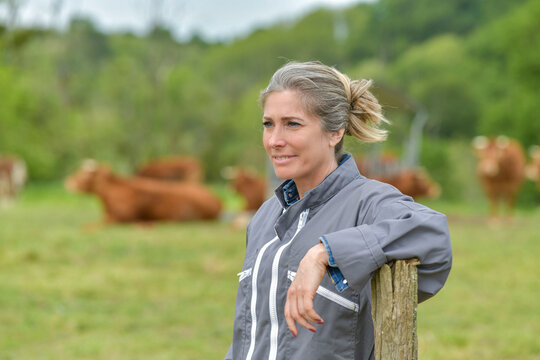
x: 285, y: 101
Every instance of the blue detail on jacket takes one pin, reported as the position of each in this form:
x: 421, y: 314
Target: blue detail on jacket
x: 335, y: 274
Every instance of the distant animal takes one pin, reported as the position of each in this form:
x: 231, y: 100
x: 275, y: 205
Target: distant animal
x: 250, y: 185
x: 414, y: 182
x: 13, y: 175
x: 180, y: 168
x: 138, y: 199
x: 384, y: 164
x: 500, y: 168
x: 533, y: 169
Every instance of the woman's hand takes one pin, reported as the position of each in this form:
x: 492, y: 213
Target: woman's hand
x: 299, y: 305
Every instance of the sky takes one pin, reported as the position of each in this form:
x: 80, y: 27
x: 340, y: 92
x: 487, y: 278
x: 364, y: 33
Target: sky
x: 212, y: 19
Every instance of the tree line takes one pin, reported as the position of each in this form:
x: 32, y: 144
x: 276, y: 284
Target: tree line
x: 473, y: 65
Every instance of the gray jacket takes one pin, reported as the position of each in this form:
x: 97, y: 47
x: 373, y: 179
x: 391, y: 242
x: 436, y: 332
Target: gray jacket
x: 366, y: 224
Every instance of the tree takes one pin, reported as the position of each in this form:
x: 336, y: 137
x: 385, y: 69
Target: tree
x: 438, y: 74
x: 508, y: 72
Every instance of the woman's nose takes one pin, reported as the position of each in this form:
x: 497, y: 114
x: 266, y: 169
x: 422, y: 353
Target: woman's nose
x: 276, y: 138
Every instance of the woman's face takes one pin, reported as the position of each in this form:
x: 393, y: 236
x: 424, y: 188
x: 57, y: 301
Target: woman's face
x: 296, y: 144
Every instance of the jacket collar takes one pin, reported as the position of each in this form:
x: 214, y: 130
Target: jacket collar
x: 330, y: 186
x: 287, y: 193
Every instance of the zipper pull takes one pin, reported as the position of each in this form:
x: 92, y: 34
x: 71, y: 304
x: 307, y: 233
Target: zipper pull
x: 303, y: 218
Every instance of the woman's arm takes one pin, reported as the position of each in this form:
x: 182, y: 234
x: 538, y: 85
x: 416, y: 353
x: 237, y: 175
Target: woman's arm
x: 399, y: 230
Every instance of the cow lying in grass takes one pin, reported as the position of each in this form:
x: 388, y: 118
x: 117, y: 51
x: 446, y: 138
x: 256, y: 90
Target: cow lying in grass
x: 414, y: 182
x: 179, y: 168
x: 251, y: 186
x: 138, y: 199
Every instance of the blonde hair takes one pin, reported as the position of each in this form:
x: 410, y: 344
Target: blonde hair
x: 338, y: 101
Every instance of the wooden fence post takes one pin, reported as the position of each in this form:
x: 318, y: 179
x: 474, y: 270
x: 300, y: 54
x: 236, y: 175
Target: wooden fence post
x: 394, y: 299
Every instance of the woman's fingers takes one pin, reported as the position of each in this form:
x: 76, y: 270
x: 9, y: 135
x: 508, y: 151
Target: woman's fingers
x: 291, y: 323
x: 299, y: 308
x: 299, y: 304
x: 305, y: 306
x: 294, y: 311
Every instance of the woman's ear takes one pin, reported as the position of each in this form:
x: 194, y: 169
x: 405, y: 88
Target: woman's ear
x: 336, y: 136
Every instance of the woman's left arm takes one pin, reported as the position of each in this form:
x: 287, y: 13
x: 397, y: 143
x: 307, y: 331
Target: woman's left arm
x: 399, y: 229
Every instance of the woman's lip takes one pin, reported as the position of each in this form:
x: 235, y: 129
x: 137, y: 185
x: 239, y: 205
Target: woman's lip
x: 281, y: 159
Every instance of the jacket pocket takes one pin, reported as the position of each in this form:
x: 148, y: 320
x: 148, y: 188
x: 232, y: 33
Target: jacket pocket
x: 330, y: 295
x: 242, y: 320
x: 244, y: 274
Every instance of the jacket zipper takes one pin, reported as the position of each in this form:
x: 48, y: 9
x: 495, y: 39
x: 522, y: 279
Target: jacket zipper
x: 244, y: 274
x: 273, y: 289
x: 254, y: 297
x: 330, y: 295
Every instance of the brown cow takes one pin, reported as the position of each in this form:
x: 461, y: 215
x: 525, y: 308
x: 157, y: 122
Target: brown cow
x: 13, y: 175
x: 138, y: 199
x: 501, y: 169
x: 413, y: 182
x: 180, y: 168
x: 385, y: 164
x: 533, y: 169
x: 386, y: 168
x: 251, y: 186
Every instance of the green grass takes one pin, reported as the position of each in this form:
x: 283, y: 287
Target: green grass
x: 489, y: 308
x: 70, y: 289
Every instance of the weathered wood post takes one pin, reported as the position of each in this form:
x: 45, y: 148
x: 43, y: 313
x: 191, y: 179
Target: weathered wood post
x: 394, y: 299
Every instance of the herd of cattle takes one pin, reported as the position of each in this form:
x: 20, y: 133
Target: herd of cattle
x: 170, y: 189
x: 142, y: 198
x: 173, y: 189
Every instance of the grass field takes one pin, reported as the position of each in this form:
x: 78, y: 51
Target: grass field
x: 73, y: 290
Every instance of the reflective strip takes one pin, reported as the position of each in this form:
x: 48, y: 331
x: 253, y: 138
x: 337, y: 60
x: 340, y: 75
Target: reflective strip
x: 273, y: 289
x: 330, y: 295
x: 254, y: 298
x: 244, y: 274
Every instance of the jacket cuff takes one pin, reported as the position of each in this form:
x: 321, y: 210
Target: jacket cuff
x: 335, y: 274
x: 358, y: 252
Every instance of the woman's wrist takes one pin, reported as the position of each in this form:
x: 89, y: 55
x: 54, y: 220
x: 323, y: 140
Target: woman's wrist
x: 319, y: 254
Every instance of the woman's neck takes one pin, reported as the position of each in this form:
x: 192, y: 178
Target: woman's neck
x: 304, y: 186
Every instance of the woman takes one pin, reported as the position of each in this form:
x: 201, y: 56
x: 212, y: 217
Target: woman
x: 312, y: 248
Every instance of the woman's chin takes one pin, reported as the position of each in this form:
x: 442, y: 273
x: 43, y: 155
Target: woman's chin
x: 283, y: 175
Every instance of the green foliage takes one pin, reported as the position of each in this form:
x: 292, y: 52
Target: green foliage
x: 238, y: 135
x: 435, y: 75
x: 121, y: 98
x: 509, y: 73
x: 436, y: 158
x: 400, y: 24
x: 360, y: 42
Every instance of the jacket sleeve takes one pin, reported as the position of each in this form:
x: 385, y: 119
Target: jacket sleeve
x: 398, y: 229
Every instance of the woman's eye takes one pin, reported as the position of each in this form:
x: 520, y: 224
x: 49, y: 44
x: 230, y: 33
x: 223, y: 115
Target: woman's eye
x: 266, y: 124
x: 293, y: 124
